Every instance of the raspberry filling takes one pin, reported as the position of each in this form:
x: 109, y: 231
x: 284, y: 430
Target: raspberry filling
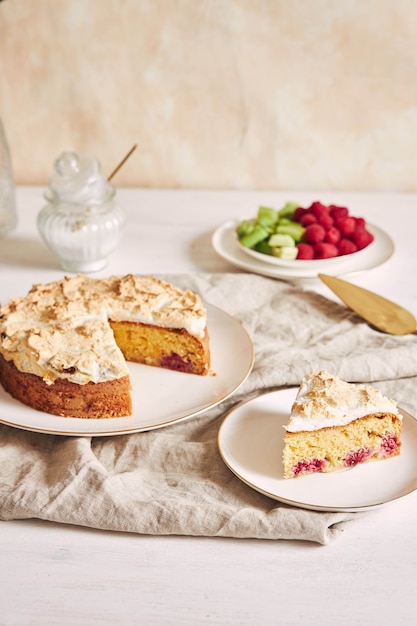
x: 175, y: 362
x: 310, y: 466
x: 357, y: 456
x: 389, y: 445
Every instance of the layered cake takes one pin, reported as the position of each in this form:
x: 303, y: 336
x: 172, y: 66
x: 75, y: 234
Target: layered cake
x: 64, y: 346
x: 335, y: 425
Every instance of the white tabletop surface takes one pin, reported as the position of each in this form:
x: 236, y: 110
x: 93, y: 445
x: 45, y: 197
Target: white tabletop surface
x: 55, y: 575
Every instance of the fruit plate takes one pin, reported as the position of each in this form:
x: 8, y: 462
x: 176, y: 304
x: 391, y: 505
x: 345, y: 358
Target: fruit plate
x: 160, y: 397
x: 317, y: 265
x: 225, y: 243
x: 251, y: 445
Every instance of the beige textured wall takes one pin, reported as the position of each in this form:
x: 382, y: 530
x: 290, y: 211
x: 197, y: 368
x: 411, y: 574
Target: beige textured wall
x: 258, y: 94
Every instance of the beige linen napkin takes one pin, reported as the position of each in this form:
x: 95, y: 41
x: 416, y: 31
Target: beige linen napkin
x: 172, y: 480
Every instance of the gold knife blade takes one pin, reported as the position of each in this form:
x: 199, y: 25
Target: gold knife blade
x: 378, y: 311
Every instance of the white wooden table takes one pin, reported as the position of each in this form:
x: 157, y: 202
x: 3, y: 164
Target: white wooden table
x: 53, y: 575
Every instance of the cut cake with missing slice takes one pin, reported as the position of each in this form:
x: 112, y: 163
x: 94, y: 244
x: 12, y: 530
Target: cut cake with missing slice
x: 64, y: 346
x: 336, y: 425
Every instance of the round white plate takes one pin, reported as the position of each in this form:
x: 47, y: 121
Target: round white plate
x: 225, y: 243
x: 251, y: 445
x: 160, y: 397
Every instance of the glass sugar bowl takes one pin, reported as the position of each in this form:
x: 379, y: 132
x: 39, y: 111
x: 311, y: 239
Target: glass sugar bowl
x: 81, y: 222
x: 8, y: 213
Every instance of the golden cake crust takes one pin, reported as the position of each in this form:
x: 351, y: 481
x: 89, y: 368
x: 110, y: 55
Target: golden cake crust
x: 67, y: 399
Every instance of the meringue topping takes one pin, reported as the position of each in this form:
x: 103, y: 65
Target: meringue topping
x: 61, y: 329
x: 323, y: 400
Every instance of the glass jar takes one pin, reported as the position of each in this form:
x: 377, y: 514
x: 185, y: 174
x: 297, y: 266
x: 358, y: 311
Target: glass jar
x: 8, y: 214
x: 81, y: 222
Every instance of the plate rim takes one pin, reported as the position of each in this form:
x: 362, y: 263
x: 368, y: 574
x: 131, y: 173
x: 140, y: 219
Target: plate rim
x: 294, y: 502
x: 346, y: 267
x: 211, y: 310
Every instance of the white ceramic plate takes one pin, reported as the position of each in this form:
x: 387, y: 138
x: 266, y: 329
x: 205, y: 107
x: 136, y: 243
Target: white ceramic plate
x: 225, y: 243
x: 251, y: 445
x: 160, y: 397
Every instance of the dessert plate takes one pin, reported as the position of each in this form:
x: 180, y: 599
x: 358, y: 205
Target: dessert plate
x: 224, y: 242
x: 251, y: 445
x: 160, y: 397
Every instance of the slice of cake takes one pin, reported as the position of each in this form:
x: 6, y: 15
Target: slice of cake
x: 335, y: 425
x: 64, y: 346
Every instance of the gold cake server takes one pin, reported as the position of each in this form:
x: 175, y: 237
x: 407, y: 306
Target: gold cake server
x: 378, y: 311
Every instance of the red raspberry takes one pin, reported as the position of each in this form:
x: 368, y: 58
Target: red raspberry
x: 314, y: 233
x: 307, y: 219
x: 362, y: 238
x: 332, y: 236
x: 345, y: 225
x: 319, y: 209
x: 359, y: 223
x: 338, y: 212
x: 325, y: 251
x: 298, y: 213
x: 346, y: 246
x: 305, y: 251
x: 357, y: 456
x: 326, y: 220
